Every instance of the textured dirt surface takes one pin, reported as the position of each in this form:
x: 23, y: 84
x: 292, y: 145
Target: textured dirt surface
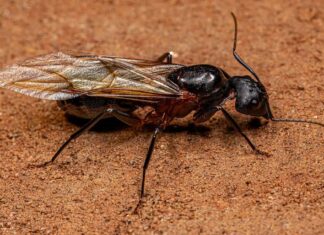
x: 201, y: 179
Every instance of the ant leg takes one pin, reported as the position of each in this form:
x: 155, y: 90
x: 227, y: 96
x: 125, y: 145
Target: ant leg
x: 237, y: 127
x: 126, y: 118
x: 76, y: 134
x: 168, y: 56
x: 146, y: 163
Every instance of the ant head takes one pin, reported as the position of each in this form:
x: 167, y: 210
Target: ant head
x: 251, y: 95
x: 251, y: 98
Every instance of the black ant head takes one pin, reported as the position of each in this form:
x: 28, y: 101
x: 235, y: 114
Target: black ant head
x: 251, y: 97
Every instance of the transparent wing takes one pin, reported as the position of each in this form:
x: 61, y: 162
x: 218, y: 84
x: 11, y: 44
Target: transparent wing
x: 60, y: 76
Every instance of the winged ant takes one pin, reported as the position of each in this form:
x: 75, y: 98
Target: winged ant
x: 140, y: 92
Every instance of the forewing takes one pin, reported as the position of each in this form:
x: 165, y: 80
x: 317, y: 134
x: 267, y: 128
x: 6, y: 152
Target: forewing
x: 60, y: 76
x: 52, y: 76
x: 139, y: 78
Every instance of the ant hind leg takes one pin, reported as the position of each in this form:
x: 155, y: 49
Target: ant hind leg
x: 78, y: 133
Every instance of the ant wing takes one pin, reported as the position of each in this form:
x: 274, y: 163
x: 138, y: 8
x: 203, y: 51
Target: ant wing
x: 60, y: 77
x: 40, y: 77
x: 140, y: 79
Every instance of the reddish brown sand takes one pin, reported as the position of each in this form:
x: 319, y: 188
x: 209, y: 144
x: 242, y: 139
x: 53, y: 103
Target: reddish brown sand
x: 201, y: 180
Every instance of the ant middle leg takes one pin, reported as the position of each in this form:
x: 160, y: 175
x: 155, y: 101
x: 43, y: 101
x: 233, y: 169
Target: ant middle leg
x: 145, y: 166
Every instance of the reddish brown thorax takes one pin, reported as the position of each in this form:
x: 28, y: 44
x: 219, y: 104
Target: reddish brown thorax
x: 166, y: 110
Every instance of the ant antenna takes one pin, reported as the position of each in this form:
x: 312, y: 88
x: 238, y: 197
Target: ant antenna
x: 237, y: 57
x: 296, y: 120
x: 245, y: 65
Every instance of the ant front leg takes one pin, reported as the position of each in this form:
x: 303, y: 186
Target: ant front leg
x: 237, y: 127
x: 168, y: 56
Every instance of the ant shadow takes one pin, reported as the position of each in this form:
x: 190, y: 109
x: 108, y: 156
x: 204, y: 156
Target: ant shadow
x: 104, y: 125
x: 190, y: 128
x: 255, y: 123
x: 112, y: 124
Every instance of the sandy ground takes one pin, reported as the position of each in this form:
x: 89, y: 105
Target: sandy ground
x: 202, y: 179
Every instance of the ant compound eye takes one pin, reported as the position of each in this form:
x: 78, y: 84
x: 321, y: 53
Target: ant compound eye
x: 254, y: 102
